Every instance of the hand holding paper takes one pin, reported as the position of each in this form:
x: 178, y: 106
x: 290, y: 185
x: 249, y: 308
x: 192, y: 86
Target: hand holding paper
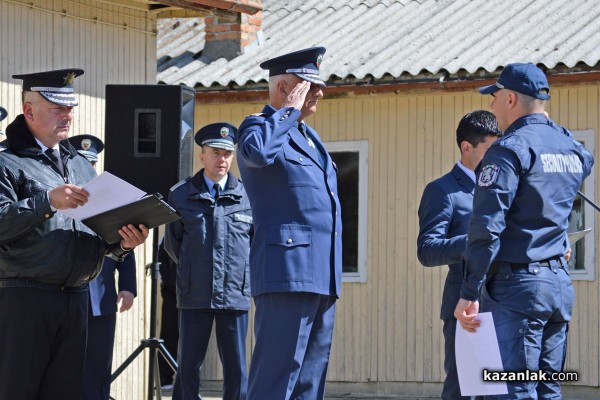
x: 68, y: 196
x: 476, y: 352
x: 466, y: 314
x: 117, y: 210
x: 105, y: 192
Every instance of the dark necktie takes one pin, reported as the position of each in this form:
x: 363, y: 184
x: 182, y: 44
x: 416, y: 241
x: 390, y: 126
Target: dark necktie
x: 52, y: 156
x: 50, y: 153
x: 216, y: 187
x: 302, y: 129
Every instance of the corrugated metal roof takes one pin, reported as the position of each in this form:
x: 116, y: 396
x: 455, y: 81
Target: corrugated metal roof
x: 368, y: 39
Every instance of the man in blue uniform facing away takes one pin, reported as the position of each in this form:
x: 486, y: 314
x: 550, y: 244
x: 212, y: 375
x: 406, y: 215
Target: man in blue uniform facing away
x: 210, y: 245
x: 444, y: 215
x: 526, y: 184
x: 296, y: 252
x: 104, y: 300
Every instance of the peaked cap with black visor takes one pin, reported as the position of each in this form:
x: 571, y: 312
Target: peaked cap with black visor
x: 302, y: 63
x: 55, y: 86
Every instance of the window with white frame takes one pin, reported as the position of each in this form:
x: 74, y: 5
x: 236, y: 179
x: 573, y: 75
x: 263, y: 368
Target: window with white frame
x: 582, y: 265
x: 352, y: 171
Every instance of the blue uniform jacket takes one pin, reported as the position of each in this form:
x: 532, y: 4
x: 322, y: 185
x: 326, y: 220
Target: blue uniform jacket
x: 210, y: 244
x: 297, y: 243
x: 103, y: 291
x: 526, y: 184
x: 444, y: 214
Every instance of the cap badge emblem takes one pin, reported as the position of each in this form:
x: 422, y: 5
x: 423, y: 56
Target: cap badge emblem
x: 69, y: 78
x: 224, y: 131
x: 86, y: 144
x: 319, y: 60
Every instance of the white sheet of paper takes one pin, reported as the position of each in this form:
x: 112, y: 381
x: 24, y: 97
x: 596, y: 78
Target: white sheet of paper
x: 575, y: 236
x: 106, y: 192
x: 474, y: 352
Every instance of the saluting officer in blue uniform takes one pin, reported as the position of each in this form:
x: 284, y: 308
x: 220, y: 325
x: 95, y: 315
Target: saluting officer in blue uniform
x: 104, y: 300
x: 526, y: 184
x: 210, y: 244
x: 444, y: 214
x: 296, y: 253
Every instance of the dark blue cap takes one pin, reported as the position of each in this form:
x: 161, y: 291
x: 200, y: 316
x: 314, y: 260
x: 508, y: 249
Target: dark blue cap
x: 3, y: 113
x: 523, y: 78
x: 88, y: 146
x: 220, y: 135
x: 55, y: 86
x: 302, y: 63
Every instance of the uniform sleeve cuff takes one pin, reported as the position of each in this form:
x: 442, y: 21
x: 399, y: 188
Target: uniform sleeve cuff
x: 469, y: 293
x: 50, y: 204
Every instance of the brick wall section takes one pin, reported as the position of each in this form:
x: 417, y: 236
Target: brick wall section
x: 233, y: 26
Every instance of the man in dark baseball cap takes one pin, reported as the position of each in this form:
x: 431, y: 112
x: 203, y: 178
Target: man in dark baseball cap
x: 514, y: 262
x: 524, y: 78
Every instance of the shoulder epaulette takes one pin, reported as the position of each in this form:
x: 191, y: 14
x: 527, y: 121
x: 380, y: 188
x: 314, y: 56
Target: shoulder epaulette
x: 175, y: 186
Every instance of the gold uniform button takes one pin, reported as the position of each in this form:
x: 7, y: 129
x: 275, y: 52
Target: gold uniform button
x: 47, y: 215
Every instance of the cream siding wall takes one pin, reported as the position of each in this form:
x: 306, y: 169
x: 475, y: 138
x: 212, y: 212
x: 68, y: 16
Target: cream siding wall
x: 388, y: 330
x: 113, y: 45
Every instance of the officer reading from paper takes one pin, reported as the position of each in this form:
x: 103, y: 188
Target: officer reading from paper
x: 104, y: 300
x: 46, y: 258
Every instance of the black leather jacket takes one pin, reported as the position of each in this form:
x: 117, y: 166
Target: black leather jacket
x: 37, y: 244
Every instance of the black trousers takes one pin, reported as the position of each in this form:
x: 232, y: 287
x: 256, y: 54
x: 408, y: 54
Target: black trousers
x: 42, y: 343
x: 98, y: 356
x: 169, y: 332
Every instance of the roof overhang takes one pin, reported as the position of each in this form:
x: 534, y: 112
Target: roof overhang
x: 342, y: 90
x: 188, y: 8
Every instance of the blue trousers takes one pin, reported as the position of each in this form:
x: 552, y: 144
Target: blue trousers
x: 531, y: 307
x: 98, y: 357
x: 195, y: 327
x: 42, y: 343
x: 451, y: 390
x: 293, y: 334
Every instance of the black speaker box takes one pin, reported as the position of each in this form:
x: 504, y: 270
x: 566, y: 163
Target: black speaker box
x: 149, y: 135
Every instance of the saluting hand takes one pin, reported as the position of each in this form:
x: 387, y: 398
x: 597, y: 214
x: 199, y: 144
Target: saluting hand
x: 68, y: 196
x: 297, y: 96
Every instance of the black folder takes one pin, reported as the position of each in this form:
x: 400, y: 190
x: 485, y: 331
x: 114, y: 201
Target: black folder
x: 150, y: 210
